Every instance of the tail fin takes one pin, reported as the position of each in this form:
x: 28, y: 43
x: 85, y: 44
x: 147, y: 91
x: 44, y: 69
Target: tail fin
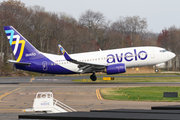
x: 22, y: 49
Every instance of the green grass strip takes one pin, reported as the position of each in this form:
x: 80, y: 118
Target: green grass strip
x: 135, y: 79
x: 139, y: 94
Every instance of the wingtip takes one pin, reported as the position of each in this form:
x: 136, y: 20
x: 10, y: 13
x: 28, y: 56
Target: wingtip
x: 61, y: 49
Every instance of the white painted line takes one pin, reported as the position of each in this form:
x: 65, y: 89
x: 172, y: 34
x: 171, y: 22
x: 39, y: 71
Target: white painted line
x: 47, y: 79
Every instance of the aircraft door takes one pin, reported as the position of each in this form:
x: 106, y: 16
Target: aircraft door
x: 44, y: 66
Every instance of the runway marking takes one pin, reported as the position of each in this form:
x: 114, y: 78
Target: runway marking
x: 32, y: 79
x: 26, y: 93
x: 49, y: 79
x: 98, y: 94
x: 6, y: 94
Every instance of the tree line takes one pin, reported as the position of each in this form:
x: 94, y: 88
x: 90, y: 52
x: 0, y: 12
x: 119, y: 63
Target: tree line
x: 91, y: 32
x: 169, y: 38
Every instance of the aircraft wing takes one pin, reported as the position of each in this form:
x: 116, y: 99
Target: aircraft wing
x: 19, y: 63
x: 83, y: 66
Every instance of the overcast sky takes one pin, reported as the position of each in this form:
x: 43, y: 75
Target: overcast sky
x: 160, y: 14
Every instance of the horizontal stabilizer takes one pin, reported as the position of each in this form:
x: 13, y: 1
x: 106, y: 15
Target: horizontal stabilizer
x: 19, y: 63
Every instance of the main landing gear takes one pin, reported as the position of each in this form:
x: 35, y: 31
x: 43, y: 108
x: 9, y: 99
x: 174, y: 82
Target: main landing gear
x: 156, y: 70
x: 93, y: 77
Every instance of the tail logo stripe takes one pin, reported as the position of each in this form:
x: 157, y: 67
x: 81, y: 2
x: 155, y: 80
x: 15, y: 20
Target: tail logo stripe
x: 11, y: 38
x: 17, y: 41
x: 22, y: 49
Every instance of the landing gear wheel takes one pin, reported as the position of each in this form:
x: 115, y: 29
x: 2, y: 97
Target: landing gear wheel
x: 156, y: 70
x: 93, y: 77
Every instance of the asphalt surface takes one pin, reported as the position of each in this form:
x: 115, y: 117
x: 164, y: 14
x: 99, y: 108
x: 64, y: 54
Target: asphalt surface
x: 60, y: 79
x: 18, y: 93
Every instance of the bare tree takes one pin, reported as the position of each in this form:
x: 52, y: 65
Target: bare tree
x: 96, y: 24
x: 92, y: 20
x: 170, y: 39
x: 67, y: 18
x: 130, y: 26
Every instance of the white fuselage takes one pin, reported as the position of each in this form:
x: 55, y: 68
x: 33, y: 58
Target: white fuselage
x: 131, y: 57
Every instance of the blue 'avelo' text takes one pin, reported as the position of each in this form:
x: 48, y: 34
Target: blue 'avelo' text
x: 142, y: 55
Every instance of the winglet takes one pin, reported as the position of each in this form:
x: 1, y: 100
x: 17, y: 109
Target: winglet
x: 66, y: 55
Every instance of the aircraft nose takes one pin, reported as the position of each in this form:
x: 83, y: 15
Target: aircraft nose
x: 172, y: 55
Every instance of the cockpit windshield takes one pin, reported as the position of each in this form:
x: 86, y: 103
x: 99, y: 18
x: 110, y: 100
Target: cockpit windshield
x: 163, y: 50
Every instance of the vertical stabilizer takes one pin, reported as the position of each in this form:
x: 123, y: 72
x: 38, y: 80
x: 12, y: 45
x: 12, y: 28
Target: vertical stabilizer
x: 22, y: 49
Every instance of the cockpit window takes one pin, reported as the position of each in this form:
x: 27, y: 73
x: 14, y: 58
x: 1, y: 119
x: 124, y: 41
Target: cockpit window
x: 163, y: 50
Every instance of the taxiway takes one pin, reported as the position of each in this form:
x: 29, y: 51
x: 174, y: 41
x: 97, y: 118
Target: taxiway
x: 17, y: 94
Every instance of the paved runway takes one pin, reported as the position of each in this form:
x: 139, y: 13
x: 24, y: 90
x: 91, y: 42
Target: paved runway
x: 59, y: 79
x: 17, y: 94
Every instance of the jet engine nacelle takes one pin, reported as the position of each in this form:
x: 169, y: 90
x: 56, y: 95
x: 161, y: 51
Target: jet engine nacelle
x: 116, y: 68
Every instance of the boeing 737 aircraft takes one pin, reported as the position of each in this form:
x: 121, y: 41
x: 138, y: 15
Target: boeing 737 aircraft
x: 110, y: 61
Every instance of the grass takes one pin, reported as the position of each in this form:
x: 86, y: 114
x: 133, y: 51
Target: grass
x: 122, y: 74
x: 140, y: 74
x: 144, y: 93
x: 135, y: 79
x: 133, y: 74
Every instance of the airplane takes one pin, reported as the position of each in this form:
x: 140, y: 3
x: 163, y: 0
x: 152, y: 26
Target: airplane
x: 110, y: 61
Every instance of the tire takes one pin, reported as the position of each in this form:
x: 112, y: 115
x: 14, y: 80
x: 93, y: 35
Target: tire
x: 93, y: 77
x: 156, y: 70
